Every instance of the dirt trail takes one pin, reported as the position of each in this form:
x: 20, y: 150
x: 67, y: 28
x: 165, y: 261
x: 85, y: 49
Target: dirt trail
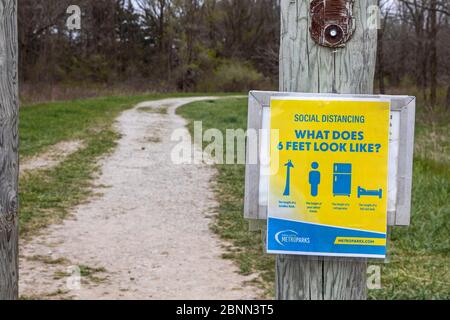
x: 147, y: 235
x: 52, y: 156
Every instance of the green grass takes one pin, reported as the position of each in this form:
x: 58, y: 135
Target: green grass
x: 161, y: 110
x: 47, y: 195
x: 419, y: 255
x: 419, y: 267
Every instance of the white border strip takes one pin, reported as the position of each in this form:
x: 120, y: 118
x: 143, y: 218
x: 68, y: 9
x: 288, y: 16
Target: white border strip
x: 324, y: 225
x: 319, y: 98
x: 327, y: 254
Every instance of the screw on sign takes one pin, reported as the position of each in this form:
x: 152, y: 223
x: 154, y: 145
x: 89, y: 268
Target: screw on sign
x: 331, y: 22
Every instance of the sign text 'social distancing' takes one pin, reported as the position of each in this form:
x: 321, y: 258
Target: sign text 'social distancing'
x: 328, y: 188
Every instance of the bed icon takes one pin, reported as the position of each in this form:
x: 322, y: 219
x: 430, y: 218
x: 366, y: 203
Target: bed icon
x: 370, y: 193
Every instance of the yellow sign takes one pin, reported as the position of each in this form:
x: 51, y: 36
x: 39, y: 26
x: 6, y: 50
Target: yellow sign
x: 328, y: 190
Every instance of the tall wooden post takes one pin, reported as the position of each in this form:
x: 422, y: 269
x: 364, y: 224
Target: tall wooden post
x: 308, y: 67
x: 9, y: 141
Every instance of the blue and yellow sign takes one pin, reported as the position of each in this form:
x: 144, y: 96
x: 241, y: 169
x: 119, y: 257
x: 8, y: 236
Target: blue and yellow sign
x: 329, y: 177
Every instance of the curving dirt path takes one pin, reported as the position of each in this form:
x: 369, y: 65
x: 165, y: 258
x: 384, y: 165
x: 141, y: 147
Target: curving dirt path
x: 147, y: 235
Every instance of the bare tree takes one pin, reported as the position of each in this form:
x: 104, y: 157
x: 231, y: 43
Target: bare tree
x: 385, y: 7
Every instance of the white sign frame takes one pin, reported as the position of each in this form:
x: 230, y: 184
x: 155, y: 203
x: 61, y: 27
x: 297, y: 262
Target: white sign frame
x: 401, y: 148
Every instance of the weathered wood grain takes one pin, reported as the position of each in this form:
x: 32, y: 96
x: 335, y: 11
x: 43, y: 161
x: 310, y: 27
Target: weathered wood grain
x: 9, y: 141
x: 307, y: 67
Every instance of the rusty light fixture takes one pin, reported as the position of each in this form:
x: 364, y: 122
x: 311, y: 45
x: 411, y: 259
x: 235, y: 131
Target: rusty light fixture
x: 331, y: 22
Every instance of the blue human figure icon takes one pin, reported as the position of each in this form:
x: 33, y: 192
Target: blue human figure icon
x: 314, y: 179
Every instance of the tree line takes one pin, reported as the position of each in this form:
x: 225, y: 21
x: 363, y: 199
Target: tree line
x: 414, y: 48
x: 209, y: 45
x: 174, y: 44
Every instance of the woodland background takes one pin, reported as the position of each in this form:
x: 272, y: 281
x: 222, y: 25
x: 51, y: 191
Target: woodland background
x: 129, y: 46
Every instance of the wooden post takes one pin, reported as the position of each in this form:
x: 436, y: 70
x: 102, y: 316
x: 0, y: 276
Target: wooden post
x: 9, y: 141
x: 308, y: 67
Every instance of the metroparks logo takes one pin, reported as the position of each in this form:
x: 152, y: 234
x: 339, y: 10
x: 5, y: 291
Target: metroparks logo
x: 290, y: 236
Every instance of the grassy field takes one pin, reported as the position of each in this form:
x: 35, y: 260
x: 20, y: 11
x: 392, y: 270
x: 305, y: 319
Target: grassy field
x: 46, y: 195
x: 419, y: 266
x: 420, y: 255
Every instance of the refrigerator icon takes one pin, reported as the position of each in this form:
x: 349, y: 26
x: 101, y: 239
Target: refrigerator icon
x: 342, y: 179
